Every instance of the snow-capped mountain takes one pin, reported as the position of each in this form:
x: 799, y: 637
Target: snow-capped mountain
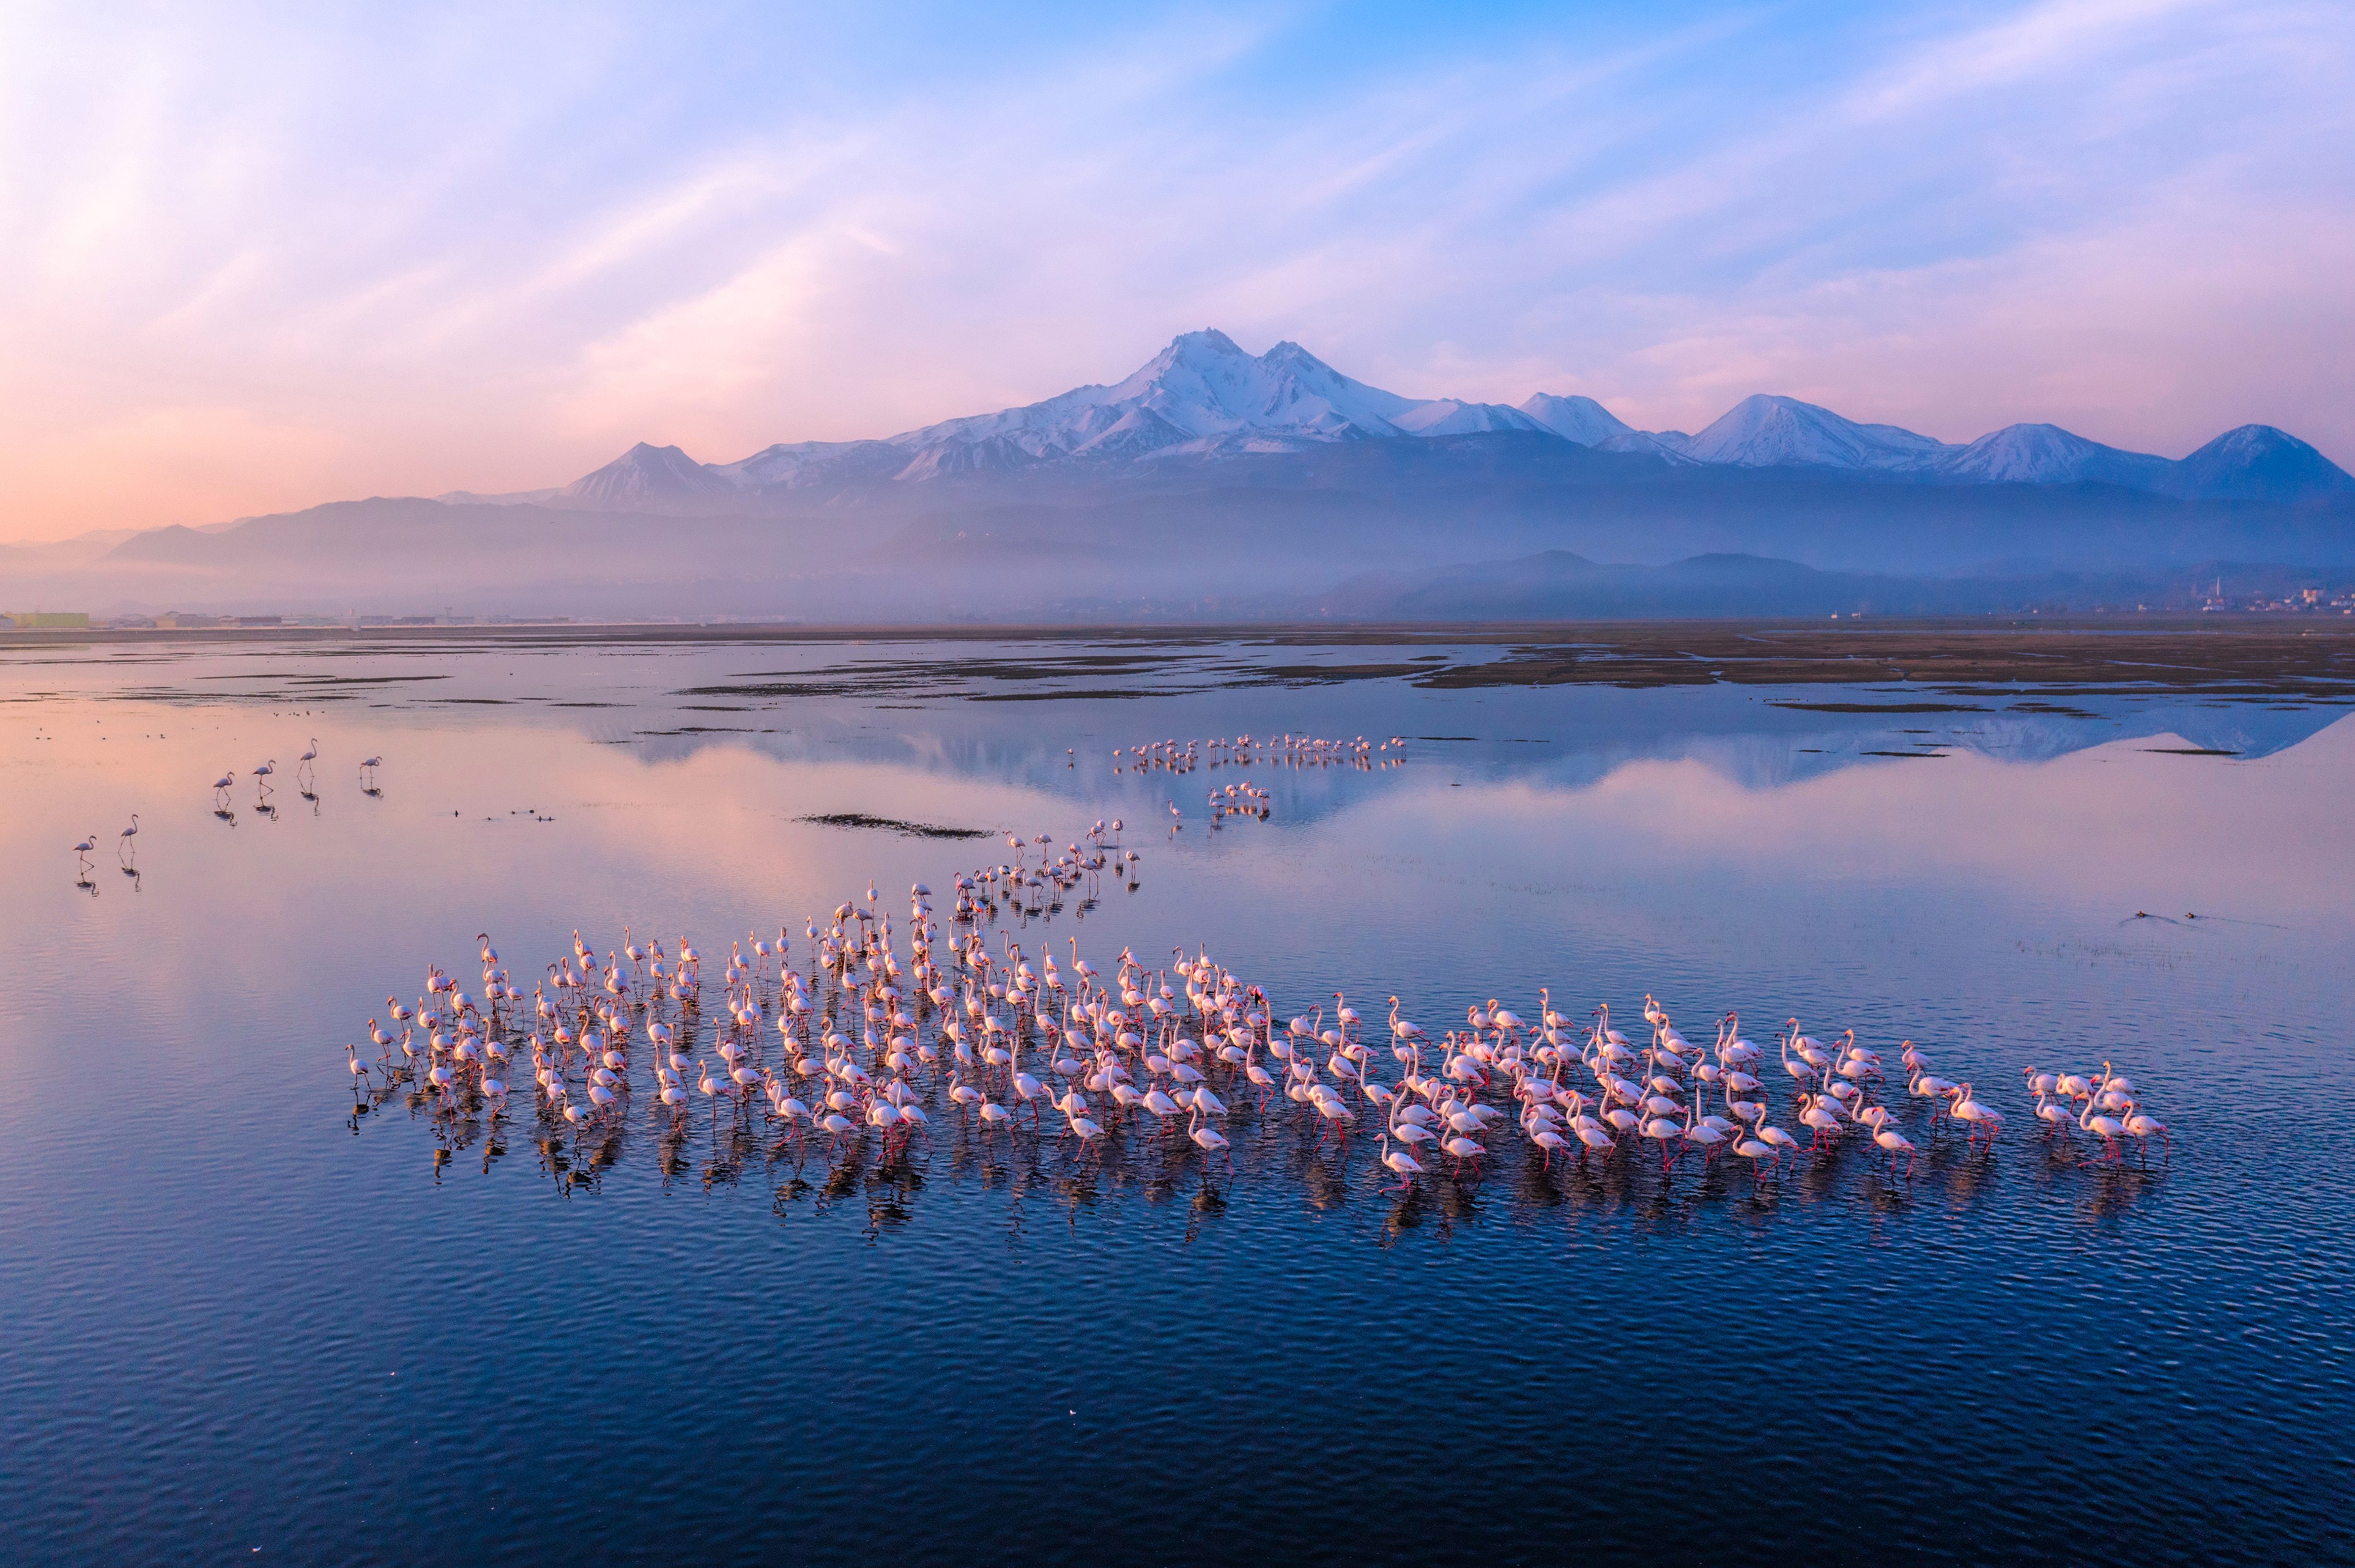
x: 1766, y: 431
x: 1574, y: 418
x: 1213, y: 478
x: 1203, y: 394
x: 645, y: 471
x: 2256, y: 462
x: 1202, y: 391
x: 1668, y: 446
x: 1451, y: 416
x: 2047, y: 454
x: 1206, y: 396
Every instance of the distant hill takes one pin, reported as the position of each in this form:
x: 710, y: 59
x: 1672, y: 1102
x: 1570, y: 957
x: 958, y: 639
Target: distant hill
x: 2257, y: 462
x: 1556, y: 585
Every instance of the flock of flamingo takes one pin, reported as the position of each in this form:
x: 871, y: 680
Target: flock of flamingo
x: 878, y: 1036
x: 307, y: 779
x: 126, y: 851
x: 1247, y: 800
x: 306, y: 776
x: 1243, y: 750
x: 1150, y: 1046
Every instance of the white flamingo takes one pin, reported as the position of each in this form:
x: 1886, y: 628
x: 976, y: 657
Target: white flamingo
x: 1402, y: 1164
x: 2146, y: 1128
x: 1964, y: 1109
x: 2109, y: 1130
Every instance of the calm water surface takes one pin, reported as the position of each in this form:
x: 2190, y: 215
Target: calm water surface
x: 235, y: 1317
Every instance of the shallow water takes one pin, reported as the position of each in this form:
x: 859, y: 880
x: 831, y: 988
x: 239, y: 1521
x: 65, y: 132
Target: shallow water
x: 234, y: 1315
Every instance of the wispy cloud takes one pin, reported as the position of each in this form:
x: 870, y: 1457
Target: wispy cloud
x: 268, y: 262
x: 2026, y: 47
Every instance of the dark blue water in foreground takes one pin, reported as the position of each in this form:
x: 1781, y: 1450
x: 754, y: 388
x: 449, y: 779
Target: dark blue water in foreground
x: 235, y: 1318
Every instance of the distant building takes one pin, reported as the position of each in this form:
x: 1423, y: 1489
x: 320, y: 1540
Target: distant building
x: 49, y: 620
x: 180, y: 620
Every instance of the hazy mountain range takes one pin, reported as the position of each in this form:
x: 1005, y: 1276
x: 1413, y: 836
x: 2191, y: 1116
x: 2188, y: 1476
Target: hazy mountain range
x: 1203, y: 396
x: 1213, y: 481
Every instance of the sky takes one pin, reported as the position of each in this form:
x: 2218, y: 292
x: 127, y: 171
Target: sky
x: 258, y: 258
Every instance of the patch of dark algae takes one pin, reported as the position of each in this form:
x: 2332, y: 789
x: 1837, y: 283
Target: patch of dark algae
x: 894, y: 825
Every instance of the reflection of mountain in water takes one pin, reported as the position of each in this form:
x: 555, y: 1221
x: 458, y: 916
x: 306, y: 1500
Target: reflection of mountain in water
x: 944, y: 710
x: 1560, y: 737
x: 2251, y: 729
x: 2247, y: 730
x: 1779, y: 752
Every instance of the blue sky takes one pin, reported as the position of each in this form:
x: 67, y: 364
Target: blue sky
x: 264, y: 257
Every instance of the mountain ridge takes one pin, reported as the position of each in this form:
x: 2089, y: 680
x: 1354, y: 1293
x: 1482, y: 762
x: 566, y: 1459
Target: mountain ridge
x: 1215, y: 476
x: 1205, y: 397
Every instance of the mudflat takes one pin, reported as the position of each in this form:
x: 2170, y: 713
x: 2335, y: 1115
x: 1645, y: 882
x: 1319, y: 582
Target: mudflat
x: 2302, y: 658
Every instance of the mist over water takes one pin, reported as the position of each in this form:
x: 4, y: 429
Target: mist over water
x: 236, y: 1315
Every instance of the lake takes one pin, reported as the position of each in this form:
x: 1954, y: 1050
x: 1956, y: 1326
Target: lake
x: 240, y: 1317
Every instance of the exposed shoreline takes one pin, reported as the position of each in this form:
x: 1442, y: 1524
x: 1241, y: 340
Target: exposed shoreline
x: 2310, y: 658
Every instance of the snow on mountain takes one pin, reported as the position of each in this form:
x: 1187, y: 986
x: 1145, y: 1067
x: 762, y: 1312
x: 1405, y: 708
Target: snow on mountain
x: 647, y: 472
x: 991, y: 454
x: 1448, y: 417
x: 1202, y: 395
x: 1766, y: 431
x: 1201, y: 388
x: 1575, y: 419
x: 1134, y: 433
x: 1205, y: 396
x: 2258, y: 462
x: 1204, y: 382
x: 2047, y: 454
x: 789, y: 464
x: 2255, y: 463
x: 1667, y: 445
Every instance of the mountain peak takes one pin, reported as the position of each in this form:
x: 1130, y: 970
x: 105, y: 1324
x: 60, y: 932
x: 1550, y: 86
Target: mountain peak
x: 1768, y: 430
x: 1453, y: 416
x: 1203, y: 394
x: 1208, y: 341
x: 2258, y: 462
x: 1204, y: 387
x: 1289, y: 352
x: 644, y: 471
x: 1575, y: 417
x: 2047, y: 454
